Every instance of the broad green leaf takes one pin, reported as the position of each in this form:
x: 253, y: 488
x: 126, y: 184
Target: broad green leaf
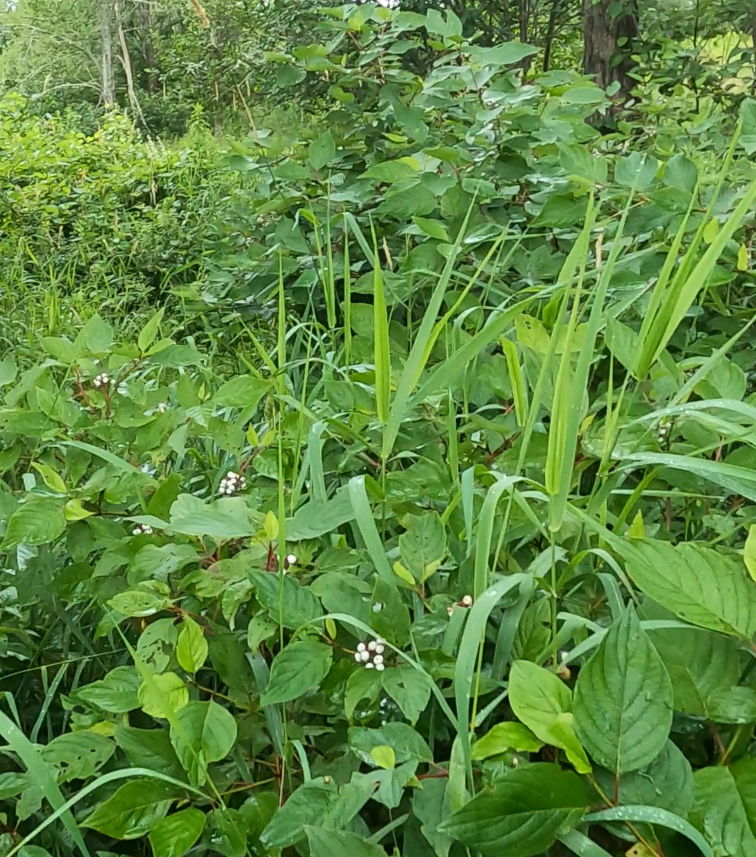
x: 37, y: 521
x: 406, y: 744
x: 543, y: 702
x: 78, y: 755
x: 321, y: 151
x: 163, y: 695
x: 8, y: 370
x: 522, y: 814
x: 667, y: 783
x: 331, y: 843
x: 148, y: 333
x: 503, y: 737
x: 227, y: 518
x: 700, y: 663
x: 50, y: 477
x: 133, y: 810
x: 703, y: 586
x: 149, y: 748
x: 202, y: 732
x: 725, y: 807
x: 243, y: 391
x: 409, y: 688
x: 117, y: 692
x: 136, y: 602
x: 623, y: 699
x: 423, y: 546
x: 175, y: 834
x: 191, y: 648
x: 315, y: 518
x: 383, y: 756
x: 227, y: 832
x: 318, y: 803
x: 296, y: 670
x: 294, y: 607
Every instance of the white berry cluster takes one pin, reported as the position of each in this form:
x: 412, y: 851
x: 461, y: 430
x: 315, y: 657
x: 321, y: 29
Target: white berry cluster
x: 467, y: 601
x: 662, y: 434
x: 101, y: 380
x: 232, y: 483
x: 142, y: 530
x: 371, y: 654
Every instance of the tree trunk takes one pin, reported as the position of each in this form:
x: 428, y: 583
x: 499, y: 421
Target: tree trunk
x: 126, y: 62
x: 607, y: 40
x: 550, y: 33
x: 148, y: 46
x: 107, y: 79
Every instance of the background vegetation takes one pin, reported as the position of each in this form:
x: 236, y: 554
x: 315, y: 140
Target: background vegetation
x: 378, y: 429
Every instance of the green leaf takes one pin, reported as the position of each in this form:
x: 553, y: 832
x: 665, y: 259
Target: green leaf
x: 543, y: 702
x: 191, y: 648
x: 562, y: 210
x: 503, y: 737
x: 117, y: 692
x: 296, y: 670
x: 50, y: 477
x: 174, y: 835
x: 749, y: 552
x: 383, y: 756
x: 8, y: 370
x: 227, y: 518
x: 623, y: 699
x: 700, y: 663
x: 202, y: 732
x: 331, y: 843
x: 78, y: 755
x: 406, y: 744
x: 97, y: 335
x: 507, y: 53
x: 320, y: 804
x: 423, y: 546
x: 409, y: 688
x: 725, y: 807
x: 681, y: 172
x: 133, y: 810
x: 37, y: 521
x: 148, y: 333
x: 315, y: 518
x: 522, y: 814
x: 137, y: 602
x: 321, y: 151
x: 163, y: 695
x: 294, y: 607
x: 706, y: 587
x: 243, y: 391
x: 637, y: 170
x: 667, y: 783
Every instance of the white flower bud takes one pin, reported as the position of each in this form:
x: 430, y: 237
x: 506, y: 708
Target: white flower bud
x: 368, y: 666
x: 467, y: 601
x: 291, y: 558
x: 371, y: 646
x: 380, y: 667
x: 378, y: 659
x: 360, y: 647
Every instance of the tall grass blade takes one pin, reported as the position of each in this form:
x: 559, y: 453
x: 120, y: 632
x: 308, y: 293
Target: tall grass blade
x: 42, y: 774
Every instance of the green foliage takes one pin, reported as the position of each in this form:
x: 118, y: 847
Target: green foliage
x: 454, y: 557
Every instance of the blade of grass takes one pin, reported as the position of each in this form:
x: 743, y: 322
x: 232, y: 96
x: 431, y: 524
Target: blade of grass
x: 43, y: 776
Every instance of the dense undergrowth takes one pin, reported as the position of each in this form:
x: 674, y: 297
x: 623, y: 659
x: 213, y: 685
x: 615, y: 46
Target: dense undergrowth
x: 415, y: 521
